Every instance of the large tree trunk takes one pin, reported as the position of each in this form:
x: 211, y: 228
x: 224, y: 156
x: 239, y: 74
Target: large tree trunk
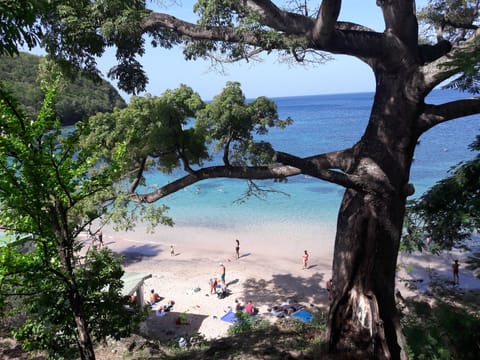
x: 363, y: 321
x: 363, y: 316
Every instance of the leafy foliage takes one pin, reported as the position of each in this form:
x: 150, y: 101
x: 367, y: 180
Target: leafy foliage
x: 18, y: 25
x: 231, y: 122
x: 455, y: 21
x: 46, y: 183
x: 450, y: 210
x: 441, y: 332
x: 247, y: 323
x: 80, y: 98
x: 172, y: 133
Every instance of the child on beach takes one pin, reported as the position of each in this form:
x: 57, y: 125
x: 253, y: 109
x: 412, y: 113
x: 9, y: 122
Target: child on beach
x: 172, y: 251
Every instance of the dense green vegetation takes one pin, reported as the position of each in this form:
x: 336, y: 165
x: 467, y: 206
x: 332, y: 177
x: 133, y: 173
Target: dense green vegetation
x: 69, y: 293
x: 450, y: 211
x: 79, y: 98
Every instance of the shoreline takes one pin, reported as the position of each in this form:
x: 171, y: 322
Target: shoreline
x: 269, y: 271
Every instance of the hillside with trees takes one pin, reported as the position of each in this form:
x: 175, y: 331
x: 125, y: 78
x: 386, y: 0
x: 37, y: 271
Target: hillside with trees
x: 79, y: 98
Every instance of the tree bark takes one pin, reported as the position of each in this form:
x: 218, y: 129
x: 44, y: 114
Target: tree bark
x: 363, y: 320
x: 66, y: 252
x: 85, y: 344
x: 363, y: 317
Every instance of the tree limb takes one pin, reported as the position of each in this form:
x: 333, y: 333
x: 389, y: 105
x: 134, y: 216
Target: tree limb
x: 444, y: 67
x: 326, y: 19
x: 400, y: 20
x: 157, y: 21
x: 280, y: 20
x: 436, y: 114
x: 348, y: 39
x: 236, y: 172
x: 139, y: 175
x: 320, y: 167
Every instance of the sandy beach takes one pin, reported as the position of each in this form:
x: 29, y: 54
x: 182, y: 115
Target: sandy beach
x: 269, y: 271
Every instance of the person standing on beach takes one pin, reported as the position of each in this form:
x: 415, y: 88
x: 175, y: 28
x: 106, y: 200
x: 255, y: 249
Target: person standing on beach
x: 237, y: 248
x: 455, y: 268
x: 172, y: 251
x: 305, y: 259
x: 428, y: 239
x: 222, y: 275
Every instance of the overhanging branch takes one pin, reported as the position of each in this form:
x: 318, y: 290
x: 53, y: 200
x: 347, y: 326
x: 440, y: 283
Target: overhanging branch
x: 320, y: 167
x: 234, y: 172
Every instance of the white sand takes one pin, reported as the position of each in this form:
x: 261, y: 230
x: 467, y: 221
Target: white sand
x: 268, y: 272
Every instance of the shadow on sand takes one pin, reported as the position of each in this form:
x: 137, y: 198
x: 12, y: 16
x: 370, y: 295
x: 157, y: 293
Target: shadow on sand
x: 285, y: 287
x: 172, y: 325
x: 136, y: 253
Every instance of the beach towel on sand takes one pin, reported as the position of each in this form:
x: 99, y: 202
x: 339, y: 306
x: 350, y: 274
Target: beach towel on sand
x: 303, y: 315
x: 229, y: 317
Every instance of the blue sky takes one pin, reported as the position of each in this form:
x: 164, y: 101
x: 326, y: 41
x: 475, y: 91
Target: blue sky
x: 167, y: 69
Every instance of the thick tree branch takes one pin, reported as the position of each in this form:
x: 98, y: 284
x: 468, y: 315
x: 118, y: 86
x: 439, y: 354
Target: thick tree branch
x: 235, y: 172
x: 318, y: 170
x: 334, y: 167
x: 444, y: 67
x: 157, y: 21
x: 436, y: 114
x: 280, y: 20
x: 139, y: 175
x: 326, y: 20
x: 348, y: 39
x: 400, y: 20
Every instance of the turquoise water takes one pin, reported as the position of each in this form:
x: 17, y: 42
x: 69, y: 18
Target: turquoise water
x: 321, y: 123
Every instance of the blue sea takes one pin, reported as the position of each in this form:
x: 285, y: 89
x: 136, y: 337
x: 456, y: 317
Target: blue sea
x: 321, y: 123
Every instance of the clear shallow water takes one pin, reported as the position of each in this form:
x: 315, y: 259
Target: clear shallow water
x: 321, y: 123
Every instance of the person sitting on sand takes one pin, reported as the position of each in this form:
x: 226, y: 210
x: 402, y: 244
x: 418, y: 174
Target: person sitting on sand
x: 238, y: 305
x: 133, y: 298
x: 168, y: 306
x: 154, y: 297
x: 277, y: 311
x: 249, y: 308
